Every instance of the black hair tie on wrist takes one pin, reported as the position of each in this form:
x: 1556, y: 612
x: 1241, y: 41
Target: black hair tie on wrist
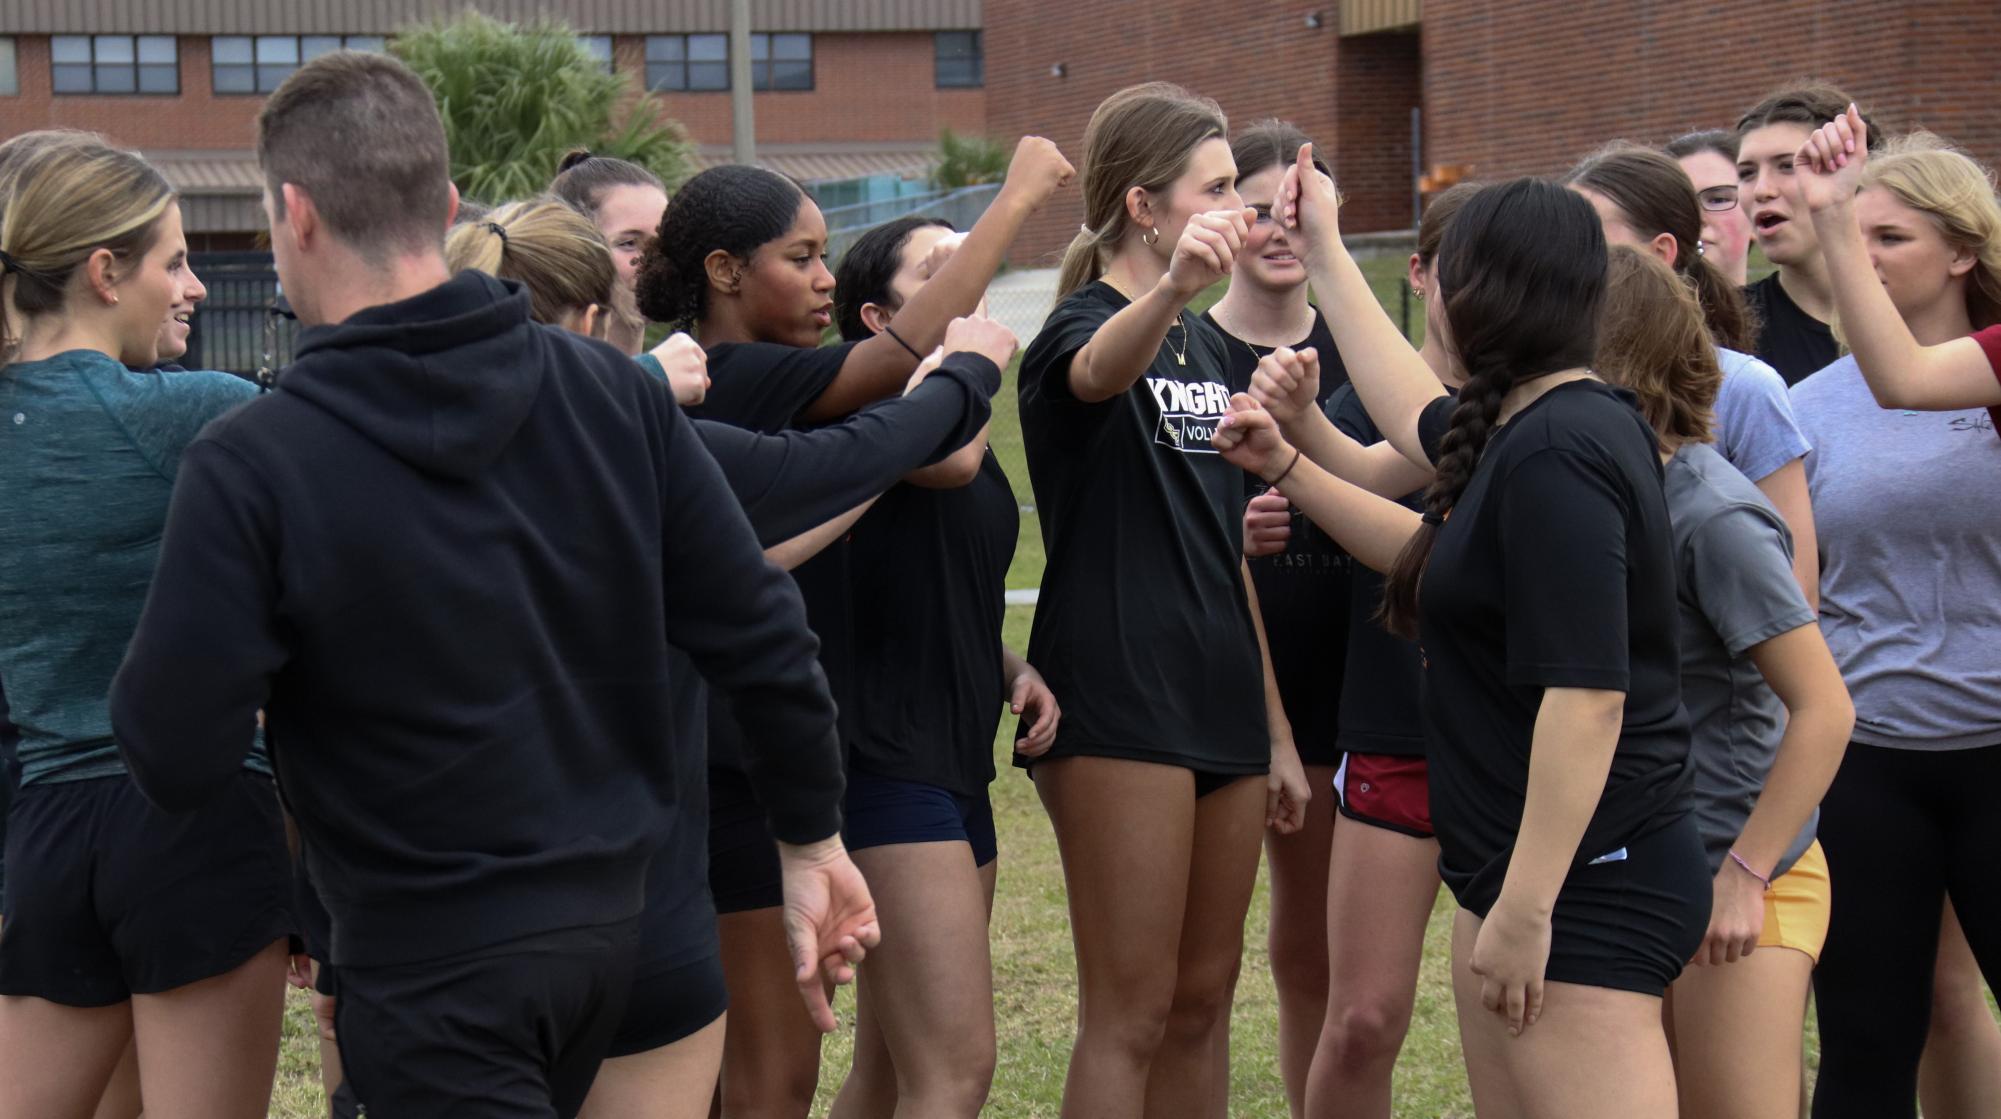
x: 899, y: 341
x: 1296, y: 452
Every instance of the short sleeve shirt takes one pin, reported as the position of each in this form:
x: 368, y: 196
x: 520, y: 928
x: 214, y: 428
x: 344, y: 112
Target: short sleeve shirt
x: 1990, y: 344
x: 1733, y: 555
x: 1755, y: 428
x: 1789, y: 340
x: 1554, y: 570
x: 1142, y: 627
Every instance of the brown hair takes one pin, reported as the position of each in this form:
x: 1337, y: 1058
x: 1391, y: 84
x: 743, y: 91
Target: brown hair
x: 1723, y: 143
x: 1657, y: 197
x: 1140, y: 136
x: 63, y: 200
x: 1652, y: 340
x: 556, y: 253
x: 1957, y: 195
x: 360, y: 134
x: 1270, y: 143
x: 583, y: 179
x: 1521, y: 271
x: 1808, y: 101
x: 1437, y: 215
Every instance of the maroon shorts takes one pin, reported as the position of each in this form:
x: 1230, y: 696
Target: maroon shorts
x: 1387, y: 791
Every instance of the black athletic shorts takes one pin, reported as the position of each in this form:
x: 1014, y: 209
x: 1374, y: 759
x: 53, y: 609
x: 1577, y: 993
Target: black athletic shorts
x: 670, y: 1004
x: 743, y: 857
x: 1631, y: 920
x: 515, y: 1031
x: 882, y: 810
x: 108, y: 897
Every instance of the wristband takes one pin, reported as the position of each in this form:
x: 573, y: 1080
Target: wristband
x: 886, y: 329
x: 1296, y: 452
x: 1739, y: 860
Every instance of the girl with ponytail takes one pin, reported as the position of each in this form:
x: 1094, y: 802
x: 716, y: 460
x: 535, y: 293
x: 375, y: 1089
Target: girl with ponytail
x: 1173, y: 755
x: 1557, y: 744
x: 1647, y: 201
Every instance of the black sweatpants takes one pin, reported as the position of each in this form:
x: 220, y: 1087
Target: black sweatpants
x: 1902, y: 829
x: 516, y: 1031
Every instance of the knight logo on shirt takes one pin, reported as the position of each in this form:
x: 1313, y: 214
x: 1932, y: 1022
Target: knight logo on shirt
x: 1188, y: 413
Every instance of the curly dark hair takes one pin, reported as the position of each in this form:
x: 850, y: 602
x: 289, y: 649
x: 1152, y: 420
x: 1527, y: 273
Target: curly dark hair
x: 733, y: 208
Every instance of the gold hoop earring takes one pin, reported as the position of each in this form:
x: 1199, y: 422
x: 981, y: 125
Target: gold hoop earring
x: 1149, y: 236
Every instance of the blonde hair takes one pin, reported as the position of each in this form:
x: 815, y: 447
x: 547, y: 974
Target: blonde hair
x: 1140, y: 136
x: 556, y: 253
x: 64, y: 196
x: 1945, y: 184
x: 1652, y: 339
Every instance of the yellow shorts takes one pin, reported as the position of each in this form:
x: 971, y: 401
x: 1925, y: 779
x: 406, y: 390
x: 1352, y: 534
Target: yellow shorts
x: 1798, y: 904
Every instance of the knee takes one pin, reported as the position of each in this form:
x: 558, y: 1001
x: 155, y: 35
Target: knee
x: 1132, y: 1028
x: 1299, y: 961
x: 1199, y: 1004
x: 1364, y: 1034
x: 958, y: 1086
x: 753, y: 1090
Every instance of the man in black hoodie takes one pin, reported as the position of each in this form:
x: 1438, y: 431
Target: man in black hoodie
x: 447, y: 556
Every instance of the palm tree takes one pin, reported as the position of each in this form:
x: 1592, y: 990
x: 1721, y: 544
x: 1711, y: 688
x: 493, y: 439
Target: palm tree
x: 516, y: 97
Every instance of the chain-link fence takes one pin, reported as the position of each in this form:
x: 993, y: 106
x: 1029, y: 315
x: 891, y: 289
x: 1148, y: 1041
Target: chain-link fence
x: 962, y: 207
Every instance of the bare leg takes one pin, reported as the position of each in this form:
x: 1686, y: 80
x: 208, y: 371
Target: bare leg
x: 771, y: 1053
x: 323, y: 1021
x: 1298, y: 935
x: 1381, y: 889
x: 1737, y: 1031
x: 929, y: 988
x: 209, y: 1050
x: 55, y: 1060
x: 121, y: 1096
x: 1960, y: 1076
x: 675, y: 1081
x: 1222, y: 874
x: 1488, y: 1072
x: 1125, y: 830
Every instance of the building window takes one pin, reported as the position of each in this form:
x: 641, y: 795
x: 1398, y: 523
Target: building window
x: 962, y: 62
x: 114, y: 64
x: 781, y: 61
x: 243, y: 64
x: 688, y: 63
x: 599, y: 47
x: 10, y: 79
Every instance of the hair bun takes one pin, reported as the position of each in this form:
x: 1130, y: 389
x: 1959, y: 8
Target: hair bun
x: 572, y: 158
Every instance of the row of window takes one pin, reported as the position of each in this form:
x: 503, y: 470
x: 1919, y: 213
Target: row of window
x: 150, y: 64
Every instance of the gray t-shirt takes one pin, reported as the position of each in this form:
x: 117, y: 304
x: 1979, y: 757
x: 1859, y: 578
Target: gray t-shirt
x: 1910, y: 575
x: 1755, y: 428
x: 1734, y: 567
x: 88, y: 451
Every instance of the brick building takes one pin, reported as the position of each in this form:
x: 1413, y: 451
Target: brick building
x: 845, y: 91
x: 1505, y: 88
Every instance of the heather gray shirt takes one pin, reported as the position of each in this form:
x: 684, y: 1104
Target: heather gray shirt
x: 1910, y: 575
x: 1734, y: 567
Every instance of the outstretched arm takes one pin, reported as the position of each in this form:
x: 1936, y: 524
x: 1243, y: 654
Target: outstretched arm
x: 1902, y: 373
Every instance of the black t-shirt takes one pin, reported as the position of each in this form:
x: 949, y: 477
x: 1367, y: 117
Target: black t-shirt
x: 930, y: 569
x: 1142, y: 628
x: 1555, y: 569
x: 765, y: 387
x: 1382, y: 679
x: 1789, y: 340
x: 1303, y: 592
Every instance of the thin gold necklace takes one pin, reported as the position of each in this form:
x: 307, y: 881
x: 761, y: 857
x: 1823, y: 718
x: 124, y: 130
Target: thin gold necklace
x: 1181, y: 355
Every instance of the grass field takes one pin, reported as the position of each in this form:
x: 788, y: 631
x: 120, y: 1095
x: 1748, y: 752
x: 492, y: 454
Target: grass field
x: 1033, y: 962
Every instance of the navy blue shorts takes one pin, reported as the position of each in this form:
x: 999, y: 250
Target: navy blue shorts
x: 883, y: 810
x: 670, y: 1004
x: 743, y: 856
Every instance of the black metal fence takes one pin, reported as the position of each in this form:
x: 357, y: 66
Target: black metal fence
x: 239, y: 327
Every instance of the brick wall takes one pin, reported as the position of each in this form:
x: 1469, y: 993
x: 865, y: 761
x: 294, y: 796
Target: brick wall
x: 868, y: 87
x: 1378, y: 85
x: 1526, y: 86
x: 1256, y: 60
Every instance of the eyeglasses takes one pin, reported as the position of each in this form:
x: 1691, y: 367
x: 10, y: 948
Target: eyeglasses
x: 1718, y: 197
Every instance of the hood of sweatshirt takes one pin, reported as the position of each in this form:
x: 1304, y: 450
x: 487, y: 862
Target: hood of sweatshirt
x: 442, y: 380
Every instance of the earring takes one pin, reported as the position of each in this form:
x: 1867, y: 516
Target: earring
x: 1150, y: 236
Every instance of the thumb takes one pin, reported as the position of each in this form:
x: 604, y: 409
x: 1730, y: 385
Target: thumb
x: 1018, y: 696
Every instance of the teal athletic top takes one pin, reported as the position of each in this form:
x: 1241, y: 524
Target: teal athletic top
x: 88, y: 450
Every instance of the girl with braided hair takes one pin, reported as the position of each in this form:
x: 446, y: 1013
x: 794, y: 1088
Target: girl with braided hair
x: 1557, y: 742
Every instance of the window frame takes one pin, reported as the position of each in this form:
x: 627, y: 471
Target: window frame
x: 304, y: 48
x: 659, y: 68
x: 976, y: 60
x: 10, y: 67
x: 763, y: 70
x: 135, y: 61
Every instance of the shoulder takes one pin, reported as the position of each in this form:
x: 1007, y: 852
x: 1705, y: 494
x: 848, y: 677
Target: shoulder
x: 1825, y: 386
x: 1585, y: 416
x: 1701, y: 483
x: 1743, y: 373
x: 1071, y: 323
x: 764, y: 357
